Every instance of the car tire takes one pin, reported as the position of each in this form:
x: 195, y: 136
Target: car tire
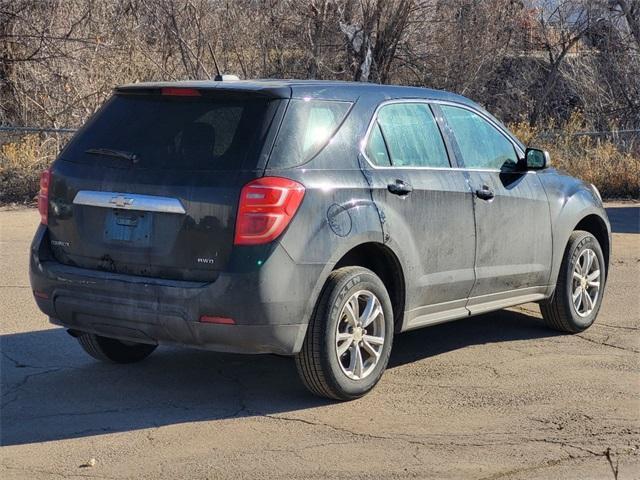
x: 111, y: 350
x: 568, y: 309
x: 345, y: 353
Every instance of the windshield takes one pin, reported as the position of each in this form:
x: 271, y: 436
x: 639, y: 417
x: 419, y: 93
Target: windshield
x: 193, y: 133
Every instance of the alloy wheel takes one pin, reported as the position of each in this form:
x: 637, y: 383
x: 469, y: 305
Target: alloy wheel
x: 586, y: 282
x: 360, y: 335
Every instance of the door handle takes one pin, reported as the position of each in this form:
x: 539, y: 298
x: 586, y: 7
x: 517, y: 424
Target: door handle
x: 485, y: 193
x: 400, y: 188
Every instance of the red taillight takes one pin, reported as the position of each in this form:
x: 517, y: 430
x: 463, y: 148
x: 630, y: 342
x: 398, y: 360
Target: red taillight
x: 266, y: 207
x: 217, y: 320
x: 43, y: 196
x: 180, y: 92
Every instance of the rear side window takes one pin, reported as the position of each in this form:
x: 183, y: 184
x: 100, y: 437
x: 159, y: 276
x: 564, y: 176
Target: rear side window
x: 481, y: 144
x: 376, y: 148
x: 307, y: 127
x: 411, y: 135
x: 193, y: 133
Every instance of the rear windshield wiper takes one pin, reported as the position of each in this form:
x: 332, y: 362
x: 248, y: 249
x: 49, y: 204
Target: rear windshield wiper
x: 132, y: 157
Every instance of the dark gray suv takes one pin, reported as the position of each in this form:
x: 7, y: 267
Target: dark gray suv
x: 307, y: 218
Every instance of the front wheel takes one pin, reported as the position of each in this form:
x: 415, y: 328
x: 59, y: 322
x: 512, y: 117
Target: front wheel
x: 111, y: 350
x: 349, y: 337
x: 576, y: 300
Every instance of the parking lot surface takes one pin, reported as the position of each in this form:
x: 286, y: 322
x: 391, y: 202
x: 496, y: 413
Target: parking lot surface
x: 497, y: 396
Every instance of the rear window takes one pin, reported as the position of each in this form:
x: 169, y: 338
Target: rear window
x: 306, y: 129
x: 192, y: 133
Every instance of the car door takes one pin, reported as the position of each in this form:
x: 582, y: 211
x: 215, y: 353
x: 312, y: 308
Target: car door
x: 513, y: 225
x: 426, y: 209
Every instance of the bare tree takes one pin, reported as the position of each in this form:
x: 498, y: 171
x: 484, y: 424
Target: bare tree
x: 631, y: 11
x: 59, y: 60
x: 373, y: 30
x: 562, y: 24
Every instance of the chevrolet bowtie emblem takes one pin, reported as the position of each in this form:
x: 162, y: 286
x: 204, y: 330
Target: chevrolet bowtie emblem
x: 121, y: 201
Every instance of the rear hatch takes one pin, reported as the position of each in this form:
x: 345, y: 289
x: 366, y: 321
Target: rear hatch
x: 150, y: 185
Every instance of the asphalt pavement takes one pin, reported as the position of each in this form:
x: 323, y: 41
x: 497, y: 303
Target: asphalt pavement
x: 497, y: 396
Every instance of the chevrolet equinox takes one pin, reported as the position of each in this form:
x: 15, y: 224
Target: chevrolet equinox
x: 307, y: 218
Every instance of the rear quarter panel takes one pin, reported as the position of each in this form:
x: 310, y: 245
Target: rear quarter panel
x: 337, y: 212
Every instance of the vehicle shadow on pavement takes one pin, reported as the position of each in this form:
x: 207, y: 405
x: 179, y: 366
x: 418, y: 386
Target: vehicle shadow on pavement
x: 52, y: 390
x: 625, y: 219
x: 496, y: 327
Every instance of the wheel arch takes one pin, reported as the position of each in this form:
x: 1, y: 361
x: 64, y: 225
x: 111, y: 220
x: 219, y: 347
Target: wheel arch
x: 596, y: 226
x: 573, y: 206
x: 381, y: 260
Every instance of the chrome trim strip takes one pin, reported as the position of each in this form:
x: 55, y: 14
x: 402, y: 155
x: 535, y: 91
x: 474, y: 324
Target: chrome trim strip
x: 129, y: 201
x: 374, y: 118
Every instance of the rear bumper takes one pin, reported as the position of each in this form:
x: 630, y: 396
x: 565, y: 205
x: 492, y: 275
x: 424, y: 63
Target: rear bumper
x: 281, y: 339
x: 270, y: 316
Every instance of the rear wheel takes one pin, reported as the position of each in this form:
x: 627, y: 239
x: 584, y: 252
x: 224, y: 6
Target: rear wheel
x: 349, y: 337
x: 114, y: 351
x: 576, y: 300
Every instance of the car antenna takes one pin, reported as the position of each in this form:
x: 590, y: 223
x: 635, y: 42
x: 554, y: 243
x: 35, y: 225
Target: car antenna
x: 218, y: 77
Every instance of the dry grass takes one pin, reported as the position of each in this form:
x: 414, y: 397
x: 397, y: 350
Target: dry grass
x: 615, y: 172
x: 22, y: 158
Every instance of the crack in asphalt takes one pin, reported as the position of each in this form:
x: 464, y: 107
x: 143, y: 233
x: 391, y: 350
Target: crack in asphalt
x: 240, y: 393
x: 243, y: 407
x: 604, y: 342
x: 451, y: 440
x: 616, y: 326
x: 450, y: 437
x: 614, y: 468
x: 17, y: 363
x: 552, y: 463
x: 18, y: 386
x: 518, y: 443
x: 20, y: 364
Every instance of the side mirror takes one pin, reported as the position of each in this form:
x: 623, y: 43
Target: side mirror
x: 536, y: 159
